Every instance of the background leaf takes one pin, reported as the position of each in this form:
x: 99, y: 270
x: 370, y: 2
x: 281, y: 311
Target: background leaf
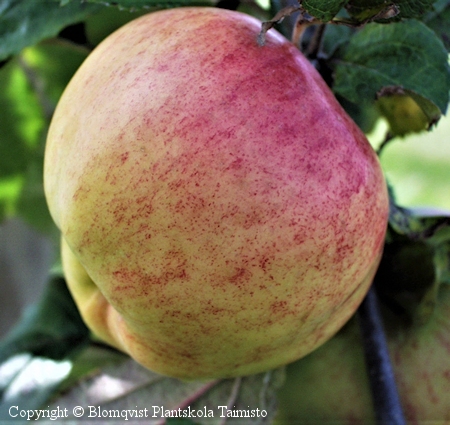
x: 52, y: 328
x: 415, y: 261
x: 31, y: 386
x: 127, y: 385
x: 30, y: 86
x: 26, y: 22
x: 99, y: 25
x: 365, y: 9
x: 20, y: 120
x: 324, y: 10
x: 404, y: 54
x: 35, y: 355
x: 150, y: 4
x: 439, y: 21
x: 336, y: 37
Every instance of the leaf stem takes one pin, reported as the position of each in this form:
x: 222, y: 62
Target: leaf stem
x: 192, y: 398
x: 233, y: 397
x: 387, y: 138
x: 385, y: 397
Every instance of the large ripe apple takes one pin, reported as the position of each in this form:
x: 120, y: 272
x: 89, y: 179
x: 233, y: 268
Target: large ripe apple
x: 230, y: 213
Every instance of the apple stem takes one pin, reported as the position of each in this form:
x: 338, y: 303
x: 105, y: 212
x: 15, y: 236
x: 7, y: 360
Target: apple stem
x: 287, y: 25
x: 387, y: 405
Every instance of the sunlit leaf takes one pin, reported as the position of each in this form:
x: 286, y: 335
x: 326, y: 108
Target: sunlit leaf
x: 30, y: 87
x: 31, y: 387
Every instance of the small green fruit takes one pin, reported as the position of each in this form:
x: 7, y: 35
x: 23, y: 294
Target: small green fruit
x: 403, y: 114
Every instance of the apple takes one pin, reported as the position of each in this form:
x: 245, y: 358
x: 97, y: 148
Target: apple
x: 221, y: 215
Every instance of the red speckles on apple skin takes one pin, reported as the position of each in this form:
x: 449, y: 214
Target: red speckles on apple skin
x: 124, y: 157
x: 241, y: 277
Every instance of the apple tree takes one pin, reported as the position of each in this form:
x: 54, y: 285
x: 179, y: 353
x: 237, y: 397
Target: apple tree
x: 387, y: 64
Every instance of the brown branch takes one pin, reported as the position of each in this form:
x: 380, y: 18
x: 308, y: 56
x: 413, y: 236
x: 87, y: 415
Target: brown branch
x: 233, y: 397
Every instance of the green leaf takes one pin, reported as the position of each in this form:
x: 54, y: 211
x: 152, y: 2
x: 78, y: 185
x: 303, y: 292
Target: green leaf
x: 415, y: 225
x: 89, y: 362
x: 364, y: 115
x: 26, y: 22
x: 52, y: 328
x: 336, y: 37
x: 49, y: 66
x: 30, y: 86
x: 416, y: 261
x: 324, y: 10
x: 20, y: 120
x: 366, y: 9
x: 406, y: 54
x: 134, y: 5
x: 10, y: 189
x: 101, y: 24
x: 407, y: 277
x: 35, y: 355
x: 439, y: 21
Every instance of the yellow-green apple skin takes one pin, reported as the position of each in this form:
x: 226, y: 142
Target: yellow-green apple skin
x: 230, y: 213
x: 331, y: 386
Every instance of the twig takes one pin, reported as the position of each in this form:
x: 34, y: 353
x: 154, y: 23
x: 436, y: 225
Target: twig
x: 315, y: 45
x: 288, y: 24
x: 385, y: 397
x: 233, y: 397
x: 282, y: 14
x: 387, y: 138
x: 304, y: 21
x: 189, y: 400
